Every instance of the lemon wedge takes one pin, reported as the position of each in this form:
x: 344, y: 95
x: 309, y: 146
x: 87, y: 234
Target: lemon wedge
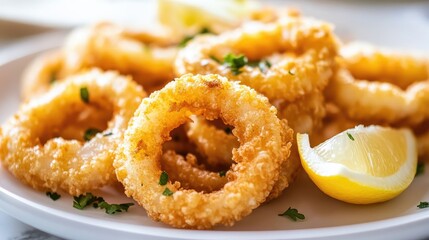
x: 361, y: 165
x: 193, y: 15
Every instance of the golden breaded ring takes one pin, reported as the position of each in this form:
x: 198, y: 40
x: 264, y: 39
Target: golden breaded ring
x: 32, y: 151
x: 379, y: 102
x: 365, y: 61
x: 259, y: 156
x: 307, y: 47
x: 147, y: 57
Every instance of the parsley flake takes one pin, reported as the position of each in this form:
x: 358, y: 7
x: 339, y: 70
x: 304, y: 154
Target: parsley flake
x: 114, y: 208
x: 215, y: 59
x: 53, y: 195
x: 222, y: 173
x: 188, y: 38
x: 82, y: 201
x: 235, y: 62
x: 350, y: 136
x: 163, y: 179
x: 292, y: 214
x: 84, y: 94
x: 167, y: 192
x: 90, y: 134
x: 420, y: 168
x: 423, y: 205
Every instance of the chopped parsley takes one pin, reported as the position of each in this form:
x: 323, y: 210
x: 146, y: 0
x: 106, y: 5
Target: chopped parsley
x: 167, y: 192
x: 350, y: 136
x: 235, y: 62
x: 90, y: 134
x: 163, y: 179
x: 188, y: 38
x: 82, y: 201
x: 114, y: 208
x: 222, y: 173
x: 84, y: 94
x: 215, y: 59
x: 53, y: 195
x: 423, y: 205
x: 420, y: 168
x: 292, y: 214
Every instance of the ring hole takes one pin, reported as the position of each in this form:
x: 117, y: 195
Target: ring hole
x: 80, y: 124
x: 199, y: 158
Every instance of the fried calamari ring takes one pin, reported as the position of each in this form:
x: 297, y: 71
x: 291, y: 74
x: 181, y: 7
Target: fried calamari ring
x: 147, y: 57
x: 144, y: 55
x: 365, y: 61
x: 307, y: 47
x: 380, y: 102
x: 32, y: 151
x: 259, y: 156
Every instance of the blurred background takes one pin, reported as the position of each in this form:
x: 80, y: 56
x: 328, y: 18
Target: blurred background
x: 399, y: 24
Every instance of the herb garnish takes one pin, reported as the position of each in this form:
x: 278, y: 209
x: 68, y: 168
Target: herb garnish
x: 188, y: 38
x: 82, y: 201
x: 53, y: 195
x: 90, y: 134
x: 222, y: 173
x: 167, y: 192
x: 215, y: 59
x: 235, y: 62
x: 420, y: 168
x: 114, y: 208
x: 292, y: 214
x: 163, y: 179
x: 84, y: 94
x: 350, y: 136
x: 423, y: 205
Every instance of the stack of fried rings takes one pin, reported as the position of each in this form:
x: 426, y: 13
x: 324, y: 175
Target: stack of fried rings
x: 264, y: 146
x: 395, y: 91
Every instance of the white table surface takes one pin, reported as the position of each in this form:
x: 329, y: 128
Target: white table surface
x: 398, y: 18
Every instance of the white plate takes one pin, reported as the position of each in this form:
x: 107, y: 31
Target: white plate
x: 326, y: 218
